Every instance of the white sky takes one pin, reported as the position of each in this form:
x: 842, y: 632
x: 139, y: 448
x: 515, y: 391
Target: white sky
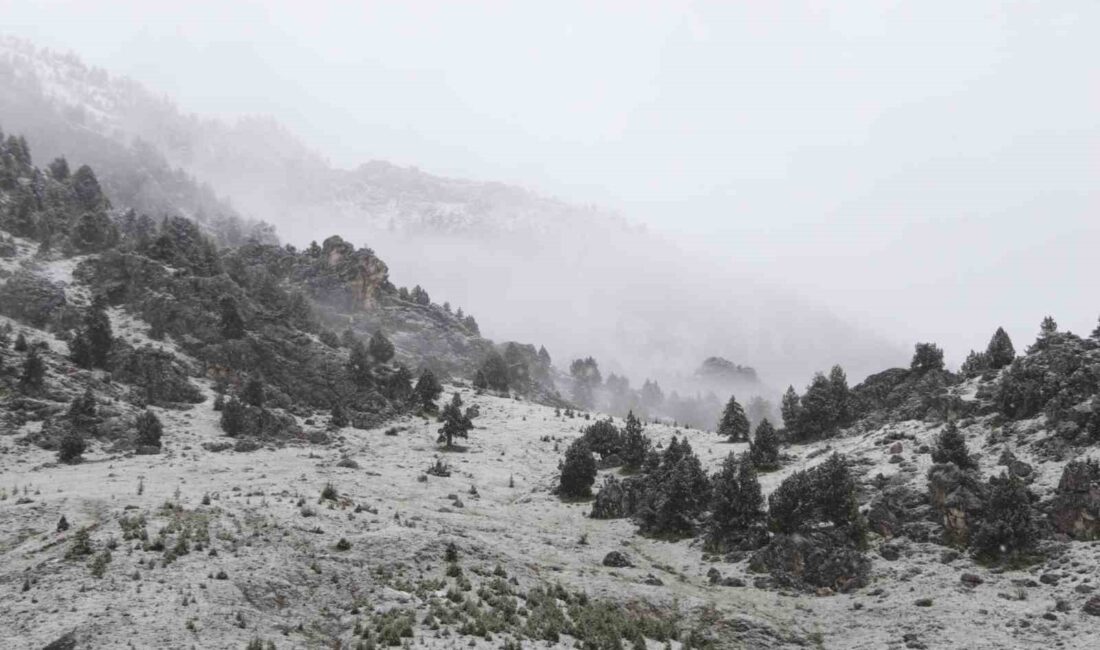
x: 929, y: 168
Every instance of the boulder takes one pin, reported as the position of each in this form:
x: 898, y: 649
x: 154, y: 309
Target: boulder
x: 617, y: 559
x: 812, y: 560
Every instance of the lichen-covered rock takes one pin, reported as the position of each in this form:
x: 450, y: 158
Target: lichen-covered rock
x: 812, y: 560
x: 617, y: 559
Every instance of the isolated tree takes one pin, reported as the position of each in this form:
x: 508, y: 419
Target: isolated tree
x: 635, y: 444
x: 33, y: 375
x: 1048, y: 326
x: 253, y: 393
x: 427, y: 390
x: 380, y: 348
x: 20, y: 344
x: 338, y: 418
x: 951, y: 447
x: 927, y: 356
x: 1007, y: 528
x: 764, y: 450
x: 456, y: 422
x: 1000, y: 351
x: 495, y: 372
x: 734, y: 425
x: 232, y: 325
x: 736, y: 506
x: 149, y: 429
x: 71, y: 448
x: 578, y: 471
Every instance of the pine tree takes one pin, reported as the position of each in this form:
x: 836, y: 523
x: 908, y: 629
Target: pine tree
x: 232, y: 325
x: 71, y: 448
x: 20, y: 343
x: 975, y: 364
x: 839, y: 398
x: 253, y: 393
x: 480, y: 382
x: 399, y: 386
x: 635, y: 444
x: 33, y: 375
x: 682, y: 495
x: 495, y: 372
x: 1000, y: 351
x: 951, y: 447
x: 736, y: 506
x: 603, y: 438
x: 82, y: 413
x: 734, y: 425
x: 338, y: 418
x: 764, y: 450
x: 359, y: 365
x: 1048, y: 326
x: 578, y: 471
x: 380, y: 348
x: 791, y: 409
x: 233, y: 417
x: 456, y: 423
x: 927, y: 356
x: 1008, y: 527
x: 149, y: 429
x: 428, y: 389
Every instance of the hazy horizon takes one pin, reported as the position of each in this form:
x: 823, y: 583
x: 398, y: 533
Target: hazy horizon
x: 925, y: 171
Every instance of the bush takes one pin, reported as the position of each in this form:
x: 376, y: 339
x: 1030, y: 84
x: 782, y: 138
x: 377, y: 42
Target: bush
x: 149, y: 429
x: 578, y: 471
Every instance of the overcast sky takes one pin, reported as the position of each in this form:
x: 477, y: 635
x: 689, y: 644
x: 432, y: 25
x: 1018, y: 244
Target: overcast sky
x: 929, y: 168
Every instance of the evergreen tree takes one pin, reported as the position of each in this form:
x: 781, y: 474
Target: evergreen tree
x: 736, y: 506
x: 734, y: 425
x: 680, y: 495
x: 519, y: 375
x: 1048, y: 326
x: 232, y: 325
x: 1000, y: 351
x: 839, y: 397
x: 399, y: 386
x: 603, y: 438
x: 233, y: 417
x: 495, y: 372
x: 20, y: 343
x: 71, y: 448
x: 470, y: 324
x: 480, y: 382
x: 764, y: 450
x: 791, y: 409
x: 420, y: 297
x: 338, y: 418
x: 1008, y: 528
x: 80, y: 351
x: 380, y: 348
x: 578, y: 471
x: 635, y: 444
x: 33, y: 375
x: 359, y: 365
x: 253, y: 393
x: 97, y: 329
x: 927, y: 356
x: 149, y: 429
x: 975, y: 364
x: 823, y: 494
x: 456, y: 423
x: 1096, y: 332
x: 951, y: 447
x: 5, y: 336
x: 428, y: 389
x: 59, y: 169
x: 544, y: 356
x: 586, y: 379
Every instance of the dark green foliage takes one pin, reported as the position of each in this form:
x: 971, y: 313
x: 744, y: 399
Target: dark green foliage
x: 427, y: 390
x: 677, y: 492
x: 1007, y: 529
x: 1000, y: 351
x: 419, y: 296
x: 519, y: 373
x: 791, y: 408
x: 380, y: 347
x: 20, y: 344
x: 823, y: 494
x: 149, y: 429
x: 471, y: 325
x: 635, y: 444
x: 339, y: 417
x: 232, y: 325
x: 232, y: 420
x: 359, y: 364
x: 951, y: 448
x: 975, y: 364
x: 253, y: 393
x: 88, y: 192
x: 823, y: 410
x: 456, y: 423
x: 480, y: 382
x: 97, y: 333
x: 734, y: 425
x: 603, y: 438
x: 82, y: 413
x: 1052, y: 378
x: 494, y: 372
x: 33, y: 375
x: 737, y: 514
x: 927, y: 356
x: 578, y: 471
x: 71, y: 448
x: 764, y: 450
x: 59, y: 169
x: 398, y: 386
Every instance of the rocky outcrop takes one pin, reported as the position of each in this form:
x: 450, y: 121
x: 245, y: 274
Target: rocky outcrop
x: 893, y: 512
x: 618, y: 499
x: 820, y: 559
x: 1075, y: 508
x: 31, y: 298
x: 958, y: 496
x: 348, y: 278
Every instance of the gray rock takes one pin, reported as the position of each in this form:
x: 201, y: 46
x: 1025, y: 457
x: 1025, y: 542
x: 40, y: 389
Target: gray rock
x: 617, y: 559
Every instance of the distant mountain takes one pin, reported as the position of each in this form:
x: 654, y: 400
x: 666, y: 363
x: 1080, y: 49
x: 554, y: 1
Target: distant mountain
x: 581, y: 280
